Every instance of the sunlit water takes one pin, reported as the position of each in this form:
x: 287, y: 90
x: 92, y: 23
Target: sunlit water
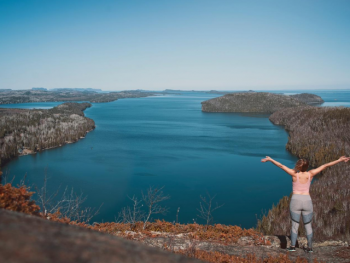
x: 168, y: 141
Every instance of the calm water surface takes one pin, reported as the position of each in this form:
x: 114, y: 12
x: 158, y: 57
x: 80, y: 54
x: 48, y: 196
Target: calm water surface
x: 168, y: 141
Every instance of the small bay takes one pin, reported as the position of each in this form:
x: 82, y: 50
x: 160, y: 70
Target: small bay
x: 168, y: 141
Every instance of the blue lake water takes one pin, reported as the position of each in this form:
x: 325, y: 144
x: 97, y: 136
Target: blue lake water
x: 168, y: 141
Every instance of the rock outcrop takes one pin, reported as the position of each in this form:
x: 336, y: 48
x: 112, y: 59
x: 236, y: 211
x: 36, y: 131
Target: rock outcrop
x: 327, y: 251
x: 28, y: 239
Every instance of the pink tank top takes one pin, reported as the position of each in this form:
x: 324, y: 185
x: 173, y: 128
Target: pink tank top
x: 301, y: 188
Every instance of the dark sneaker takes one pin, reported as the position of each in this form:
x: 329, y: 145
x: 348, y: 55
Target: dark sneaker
x: 291, y: 248
x: 308, y: 250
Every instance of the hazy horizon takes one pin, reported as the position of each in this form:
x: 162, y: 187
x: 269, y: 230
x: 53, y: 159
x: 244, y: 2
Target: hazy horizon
x: 333, y: 87
x: 187, y: 45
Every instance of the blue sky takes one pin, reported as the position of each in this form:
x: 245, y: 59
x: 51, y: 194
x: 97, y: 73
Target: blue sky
x: 200, y: 45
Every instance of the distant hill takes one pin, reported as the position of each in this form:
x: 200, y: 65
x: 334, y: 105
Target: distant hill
x: 39, y: 88
x: 227, y: 92
x: 77, y: 89
x: 308, y: 98
x: 263, y: 102
x: 38, y: 95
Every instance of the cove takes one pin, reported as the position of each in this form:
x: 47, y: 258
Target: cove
x: 168, y: 141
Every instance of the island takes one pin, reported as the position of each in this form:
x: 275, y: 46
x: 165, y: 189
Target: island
x: 262, y: 102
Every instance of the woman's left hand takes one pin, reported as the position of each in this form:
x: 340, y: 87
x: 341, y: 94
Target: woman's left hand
x: 268, y: 158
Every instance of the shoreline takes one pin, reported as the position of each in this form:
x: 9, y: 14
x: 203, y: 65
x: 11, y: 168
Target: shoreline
x: 54, y: 147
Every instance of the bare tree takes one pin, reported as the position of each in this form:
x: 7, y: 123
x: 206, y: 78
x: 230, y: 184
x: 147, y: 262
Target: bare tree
x: 69, y: 205
x: 132, y: 214
x: 206, y: 209
x: 152, y: 199
x: 45, y: 199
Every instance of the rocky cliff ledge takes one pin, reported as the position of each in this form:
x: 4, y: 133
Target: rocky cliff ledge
x: 25, y: 238
x: 263, y: 102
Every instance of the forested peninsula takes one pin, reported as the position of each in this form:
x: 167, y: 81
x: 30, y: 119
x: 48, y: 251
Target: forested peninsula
x: 263, y: 102
x: 8, y: 96
x: 25, y: 131
x: 320, y: 135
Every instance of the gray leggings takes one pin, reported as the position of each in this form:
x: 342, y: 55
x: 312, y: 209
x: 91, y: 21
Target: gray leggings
x: 301, y: 204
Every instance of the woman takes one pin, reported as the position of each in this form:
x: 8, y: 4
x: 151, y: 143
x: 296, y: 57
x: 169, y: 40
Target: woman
x: 301, y: 201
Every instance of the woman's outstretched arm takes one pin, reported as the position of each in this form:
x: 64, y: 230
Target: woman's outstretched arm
x: 283, y: 167
x: 313, y: 172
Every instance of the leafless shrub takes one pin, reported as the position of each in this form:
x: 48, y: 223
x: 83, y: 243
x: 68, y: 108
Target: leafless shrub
x: 206, y: 208
x: 132, y: 214
x: 142, y: 209
x: 69, y: 204
x: 152, y: 199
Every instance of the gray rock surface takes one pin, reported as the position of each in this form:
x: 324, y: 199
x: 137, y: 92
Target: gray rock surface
x: 328, y: 251
x: 27, y: 239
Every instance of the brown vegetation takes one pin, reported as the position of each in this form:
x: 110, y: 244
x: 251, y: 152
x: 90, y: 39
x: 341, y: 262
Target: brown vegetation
x: 320, y: 135
x: 218, y: 232
x: 18, y: 199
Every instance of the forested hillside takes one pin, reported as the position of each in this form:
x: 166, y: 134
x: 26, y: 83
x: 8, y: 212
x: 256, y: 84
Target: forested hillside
x: 319, y: 134
x: 263, y: 102
x: 28, y: 131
